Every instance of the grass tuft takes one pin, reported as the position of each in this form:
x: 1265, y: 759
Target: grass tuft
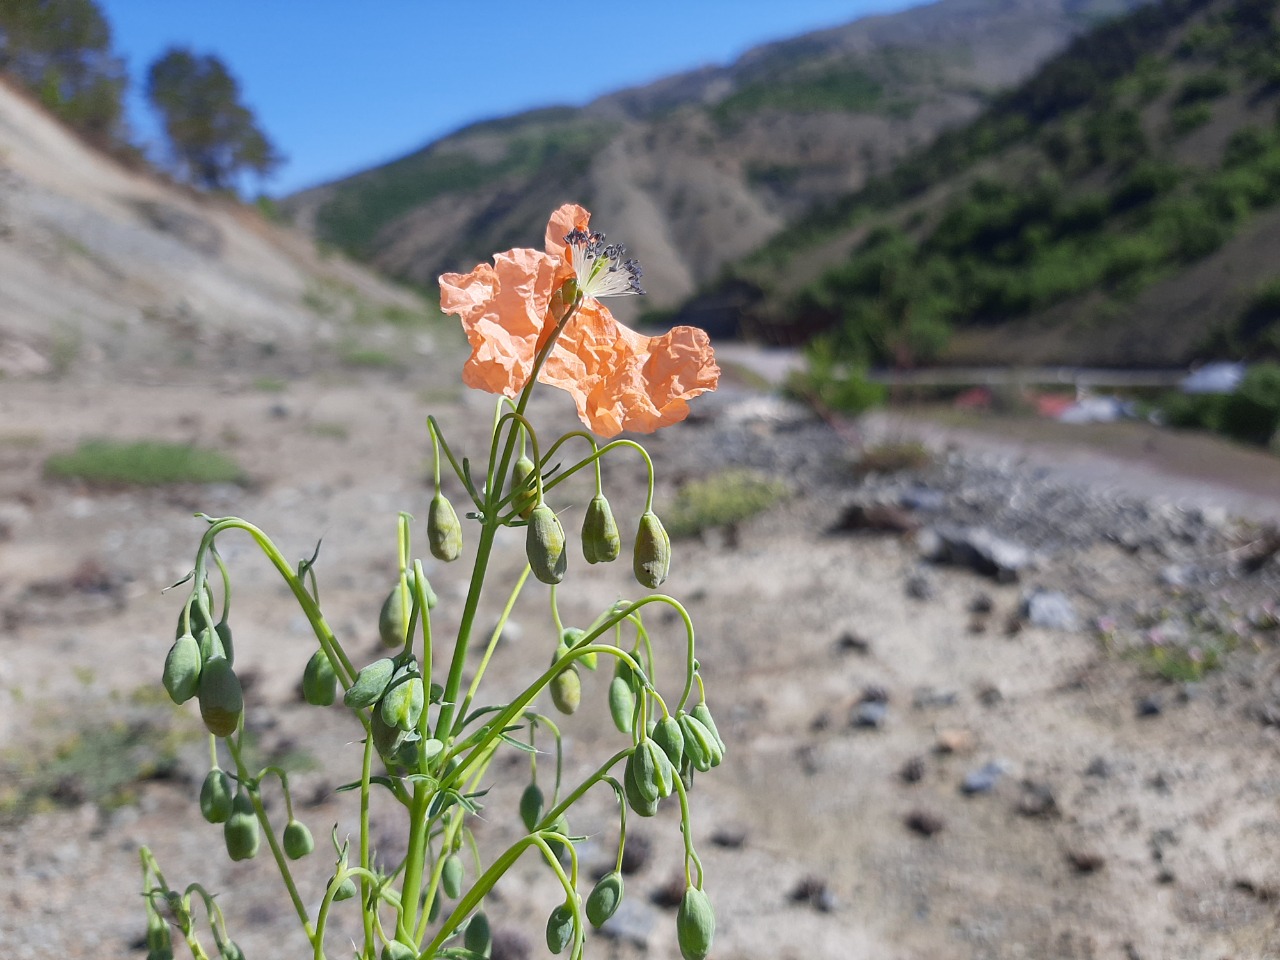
x: 143, y: 463
x: 720, y: 500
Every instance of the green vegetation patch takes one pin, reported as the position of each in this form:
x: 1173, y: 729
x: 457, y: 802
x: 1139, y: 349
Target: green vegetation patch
x: 102, y: 763
x: 721, y: 500
x: 360, y: 208
x: 142, y: 463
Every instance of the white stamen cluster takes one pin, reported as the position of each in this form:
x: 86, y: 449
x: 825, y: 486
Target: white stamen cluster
x: 601, y: 268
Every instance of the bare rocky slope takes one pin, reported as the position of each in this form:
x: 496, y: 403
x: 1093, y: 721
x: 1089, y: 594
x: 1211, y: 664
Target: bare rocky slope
x: 701, y: 168
x: 101, y: 265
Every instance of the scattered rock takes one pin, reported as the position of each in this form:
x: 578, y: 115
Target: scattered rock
x: 815, y: 892
x: 669, y: 894
x: 955, y: 740
x: 922, y: 499
x: 975, y: 548
x: 636, y: 853
x: 1049, y: 610
x: 1098, y: 767
x: 919, y: 587
x: 870, y: 715
x: 984, y: 778
x: 874, y: 518
x: 874, y: 693
x: 1149, y: 706
x: 730, y: 836
x: 1037, y: 800
x: 929, y: 698
x: 989, y: 695
x: 1086, y: 861
x: 981, y: 603
x: 923, y: 822
x: 850, y: 642
x: 510, y: 944
x: 912, y: 771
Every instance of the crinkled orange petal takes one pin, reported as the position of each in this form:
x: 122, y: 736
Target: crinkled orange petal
x: 622, y: 380
x: 503, y: 309
x: 564, y: 221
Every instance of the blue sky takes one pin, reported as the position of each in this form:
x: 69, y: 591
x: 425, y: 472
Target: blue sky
x: 341, y: 85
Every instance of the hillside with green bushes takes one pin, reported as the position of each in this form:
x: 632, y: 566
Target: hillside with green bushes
x: 1120, y: 207
x: 699, y: 169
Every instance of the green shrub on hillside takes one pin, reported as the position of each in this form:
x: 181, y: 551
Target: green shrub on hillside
x: 1252, y: 413
x: 721, y: 500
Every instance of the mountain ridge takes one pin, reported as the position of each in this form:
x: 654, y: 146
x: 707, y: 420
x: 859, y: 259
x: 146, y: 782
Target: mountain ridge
x: 696, y: 169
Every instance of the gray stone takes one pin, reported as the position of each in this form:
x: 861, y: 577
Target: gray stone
x: 984, y: 778
x: 1050, y: 610
x: 633, y: 922
x: 975, y: 548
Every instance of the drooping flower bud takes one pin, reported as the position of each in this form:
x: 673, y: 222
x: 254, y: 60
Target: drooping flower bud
x: 297, y: 840
x: 566, y: 690
x: 240, y: 832
x: 444, y: 532
x: 652, y: 558
x: 544, y: 545
x: 622, y: 704
x: 478, y: 937
x: 604, y: 898
x: 699, y: 745
x: 643, y: 802
x: 402, y: 704
x: 601, y: 542
x: 319, y: 682
x: 702, y: 714
x: 668, y: 736
x: 346, y: 889
x: 371, y: 683
x: 182, y: 669
x: 216, y: 796
x: 560, y: 928
x: 451, y: 876
x: 521, y: 482
x: 221, y: 699
x: 531, y: 806
x: 395, y: 950
x: 391, y: 622
x: 695, y: 925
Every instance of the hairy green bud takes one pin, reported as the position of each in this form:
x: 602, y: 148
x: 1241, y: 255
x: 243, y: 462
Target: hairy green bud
x: 702, y: 714
x: 644, y: 803
x: 531, y: 806
x: 395, y: 950
x: 670, y: 738
x: 544, y: 544
x: 451, y: 876
x: 371, y: 682
x: 601, y: 542
x: 182, y: 669
x: 699, y: 745
x: 346, y: 889
x: 604, y: 898
x: 478, y: 938
x: 526, y: 492
x: 695, y: 925
x: 221, y: 699
x: 391, y: 622
x: 240, y: 832
x: 297, y: 840
x: 651, y: 561
x: 560, y: 928
x: 402, y: 704
x: 566, y: 690
x: 319, y: 682
x: 622, y: 704
x: 444, y: 532
x: 216, y: 796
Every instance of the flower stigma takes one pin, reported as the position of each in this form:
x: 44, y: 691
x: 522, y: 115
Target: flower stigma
x: 601, y: 269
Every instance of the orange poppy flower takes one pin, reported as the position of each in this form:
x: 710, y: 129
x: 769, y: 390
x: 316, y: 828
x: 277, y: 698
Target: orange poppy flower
x: 619, y: 379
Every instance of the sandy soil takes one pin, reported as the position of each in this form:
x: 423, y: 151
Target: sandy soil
x: 1111, y: 833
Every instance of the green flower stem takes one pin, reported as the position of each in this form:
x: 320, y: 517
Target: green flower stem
x: 366, y: 771
x: 226, y: 584
x: 444, y: 722
x: 437, y: 435
x: 595, y: 449
x: 282, y: 863
x: 601, y: 774
x: 326, y: 904
x: 686, y: 830
x: 345, y: 670
x: 493, y: 642
x: 516, y: 707
x: 420, y: 596
x: 593, y: 458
